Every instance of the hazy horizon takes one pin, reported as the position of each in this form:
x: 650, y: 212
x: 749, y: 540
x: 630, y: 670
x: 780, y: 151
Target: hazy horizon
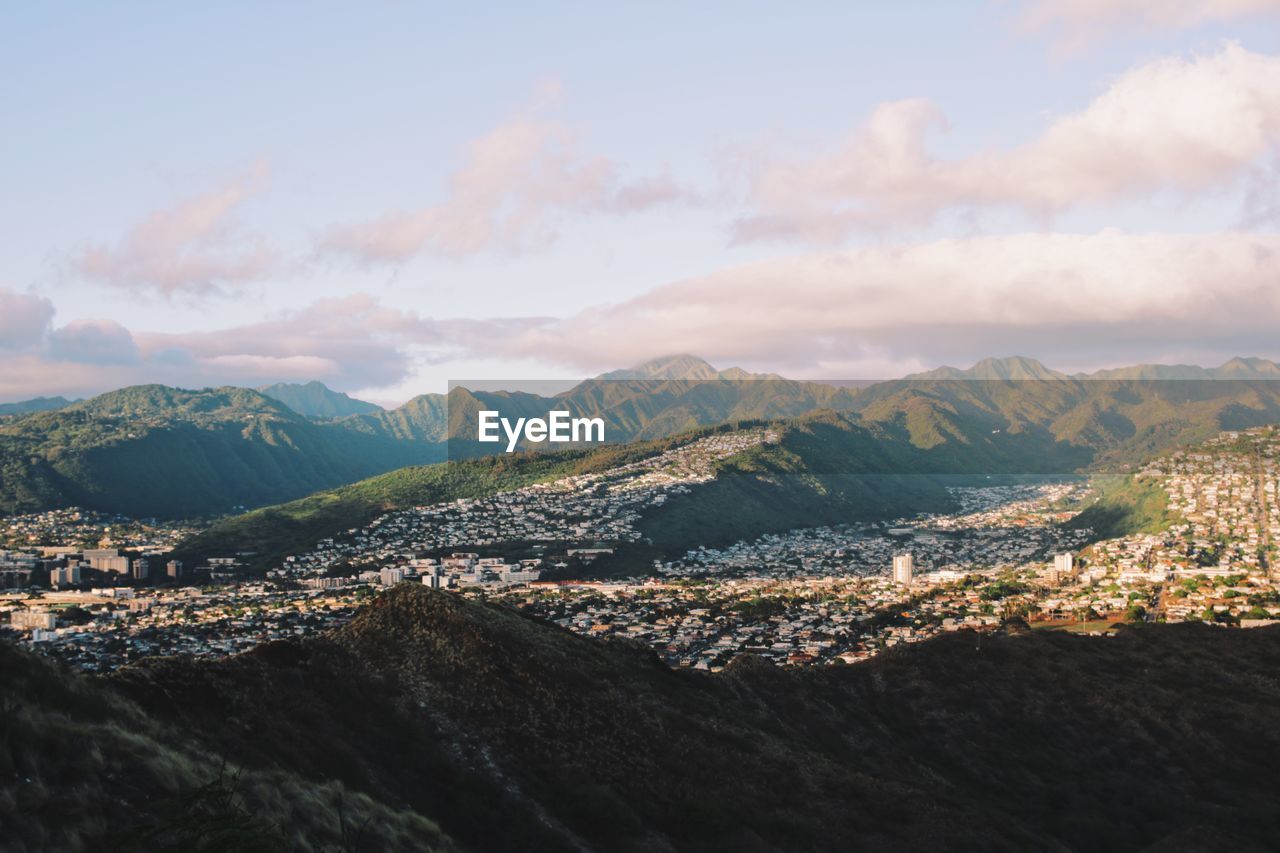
x: 549, y: 387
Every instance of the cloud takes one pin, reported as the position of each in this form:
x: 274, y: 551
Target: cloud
x: 349, y: 343
x: 1078, y: 299
x: 518, y: 182
x: 194, y: 247
x: 93, y: 342
x: 24, y: 319
x: 1183, y: 125
x: 1080, y: 23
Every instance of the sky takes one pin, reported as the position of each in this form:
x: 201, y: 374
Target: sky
x: 388, y: 197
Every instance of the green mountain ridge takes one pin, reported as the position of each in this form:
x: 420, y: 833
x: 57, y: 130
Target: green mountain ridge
x: 35, y: 404
x: 157, y: 451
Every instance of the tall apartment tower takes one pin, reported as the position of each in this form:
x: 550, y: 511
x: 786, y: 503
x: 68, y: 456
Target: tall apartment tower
x: 903, y: 568
x: 173, y: 569
x: 65, y: 575
x: 1064, y: 565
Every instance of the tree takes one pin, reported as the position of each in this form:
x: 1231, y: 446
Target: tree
x: 76, y: 616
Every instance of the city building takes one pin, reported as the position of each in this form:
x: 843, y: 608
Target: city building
x: 1064, y: 565
x: 14, y: 578
x: 68, y: 575
x: 33, y: 620
x: 903, y: 569
x: 107, y: 560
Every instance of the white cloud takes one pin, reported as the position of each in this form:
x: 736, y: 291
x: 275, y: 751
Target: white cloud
x: 24, y: 319
x: 1104, y: 298
x: 93, y: 342
x: 1075, y: 300
x: 1079, y: 23
x: 350, y: 343
x: 193, y: 247
x: 518, y: 182
x: 1181, y: 125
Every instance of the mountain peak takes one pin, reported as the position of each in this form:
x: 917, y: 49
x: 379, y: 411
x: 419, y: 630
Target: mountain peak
x: 317, y: 400
x: 164, y: 401
x: 682, y: 366
x: 1247, y: 368
x: 1235, y: 368
x: 679, y: 366
x: 1015, y: 367
x: 35, y: 404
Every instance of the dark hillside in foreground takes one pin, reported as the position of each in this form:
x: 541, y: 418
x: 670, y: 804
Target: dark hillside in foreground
x: 515, y: 735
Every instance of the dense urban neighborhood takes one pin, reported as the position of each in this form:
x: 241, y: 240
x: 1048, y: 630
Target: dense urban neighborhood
x: 99, y: 592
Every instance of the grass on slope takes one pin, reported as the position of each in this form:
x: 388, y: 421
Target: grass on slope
x: 1126, y: 505
x: 85, y: 768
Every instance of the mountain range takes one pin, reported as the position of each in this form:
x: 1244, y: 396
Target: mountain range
x: 36, y: 404
x: 435, y: 723
x: 1022, y: 368
x: 157, y: 451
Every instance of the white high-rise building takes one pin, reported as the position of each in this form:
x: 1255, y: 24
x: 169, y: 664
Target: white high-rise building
x: 903, y: 568
x: 108, y: 560
x: 1064, y: 565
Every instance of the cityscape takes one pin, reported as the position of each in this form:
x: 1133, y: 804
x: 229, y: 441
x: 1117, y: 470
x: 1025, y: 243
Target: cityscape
x: 632, y: 428
x: 810, y: 596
